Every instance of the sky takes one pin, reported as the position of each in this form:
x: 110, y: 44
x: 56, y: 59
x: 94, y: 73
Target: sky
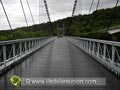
x: 58, y: 9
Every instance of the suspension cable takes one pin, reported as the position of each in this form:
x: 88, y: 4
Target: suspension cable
x: 73, y: 11
x: 24, y: 13
x: 74, y: 8
x: 98, y: 4
x: 39, y: 11
x: 46, y: 7
x: 94, y: 17
x: 81, y: 7
x: 30, y: 11
x: 112, y: 16
x: 91, y: 6
x: 7, y: 19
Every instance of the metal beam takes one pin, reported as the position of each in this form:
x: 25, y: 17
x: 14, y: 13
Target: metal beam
x: 46, y: 7
x: 24, y: 12
x: 30, y: 11
x: 73, y: 12
x: 112, y: 16
x: 7, y: 19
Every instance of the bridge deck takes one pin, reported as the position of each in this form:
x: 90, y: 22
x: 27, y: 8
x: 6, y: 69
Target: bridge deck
x: 60, y: 59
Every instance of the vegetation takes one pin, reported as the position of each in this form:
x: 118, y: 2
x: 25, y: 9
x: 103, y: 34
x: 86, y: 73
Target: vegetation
x: 82, y: 26
x: 41, y: 30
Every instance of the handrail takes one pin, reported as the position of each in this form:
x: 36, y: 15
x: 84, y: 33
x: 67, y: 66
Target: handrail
x: 14, y: 50
x: 19, y: 40
x: 105, y: 52
x: 100, y: 41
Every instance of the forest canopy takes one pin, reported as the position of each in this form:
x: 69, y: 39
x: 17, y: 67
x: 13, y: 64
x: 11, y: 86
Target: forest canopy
x: 92, y: 25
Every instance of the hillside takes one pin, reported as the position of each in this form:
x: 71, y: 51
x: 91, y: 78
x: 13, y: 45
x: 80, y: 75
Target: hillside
x: 81, y: 27
x: 42, y: 30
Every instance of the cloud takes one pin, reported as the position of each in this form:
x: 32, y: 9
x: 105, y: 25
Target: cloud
x: 57, y: 8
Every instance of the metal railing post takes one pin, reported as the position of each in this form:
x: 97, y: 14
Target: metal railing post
x: 20, y: 46
x: 4, y: 56
x: 25, y: 43
x: 82, y: 44
x: 35, y: 43
x: 13, y: 46
x: 104, y: 52
x: 40, y: 43
x: 93, y: 48
x: 86, y: 45
x: 98, y: 49
x: 29, y: 46
x: 113, y: 54
x: 32, y: 45
x: 90, y: 46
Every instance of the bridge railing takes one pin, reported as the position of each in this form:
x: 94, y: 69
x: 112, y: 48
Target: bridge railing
x: 105, y: 52
x: 12, y: 51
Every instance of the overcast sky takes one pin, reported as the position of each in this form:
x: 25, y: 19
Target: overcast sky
x: 58, y: 9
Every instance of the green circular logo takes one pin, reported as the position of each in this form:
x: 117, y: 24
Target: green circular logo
x: 15, y: 80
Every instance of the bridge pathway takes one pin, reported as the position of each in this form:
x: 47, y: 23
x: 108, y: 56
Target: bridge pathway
x: 59, y: 59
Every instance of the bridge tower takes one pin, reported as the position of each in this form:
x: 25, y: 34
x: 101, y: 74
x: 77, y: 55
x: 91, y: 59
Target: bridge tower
x: 60, y: 27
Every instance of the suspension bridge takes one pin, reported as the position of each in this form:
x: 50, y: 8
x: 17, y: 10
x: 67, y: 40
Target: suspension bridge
x: 54, y: 57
